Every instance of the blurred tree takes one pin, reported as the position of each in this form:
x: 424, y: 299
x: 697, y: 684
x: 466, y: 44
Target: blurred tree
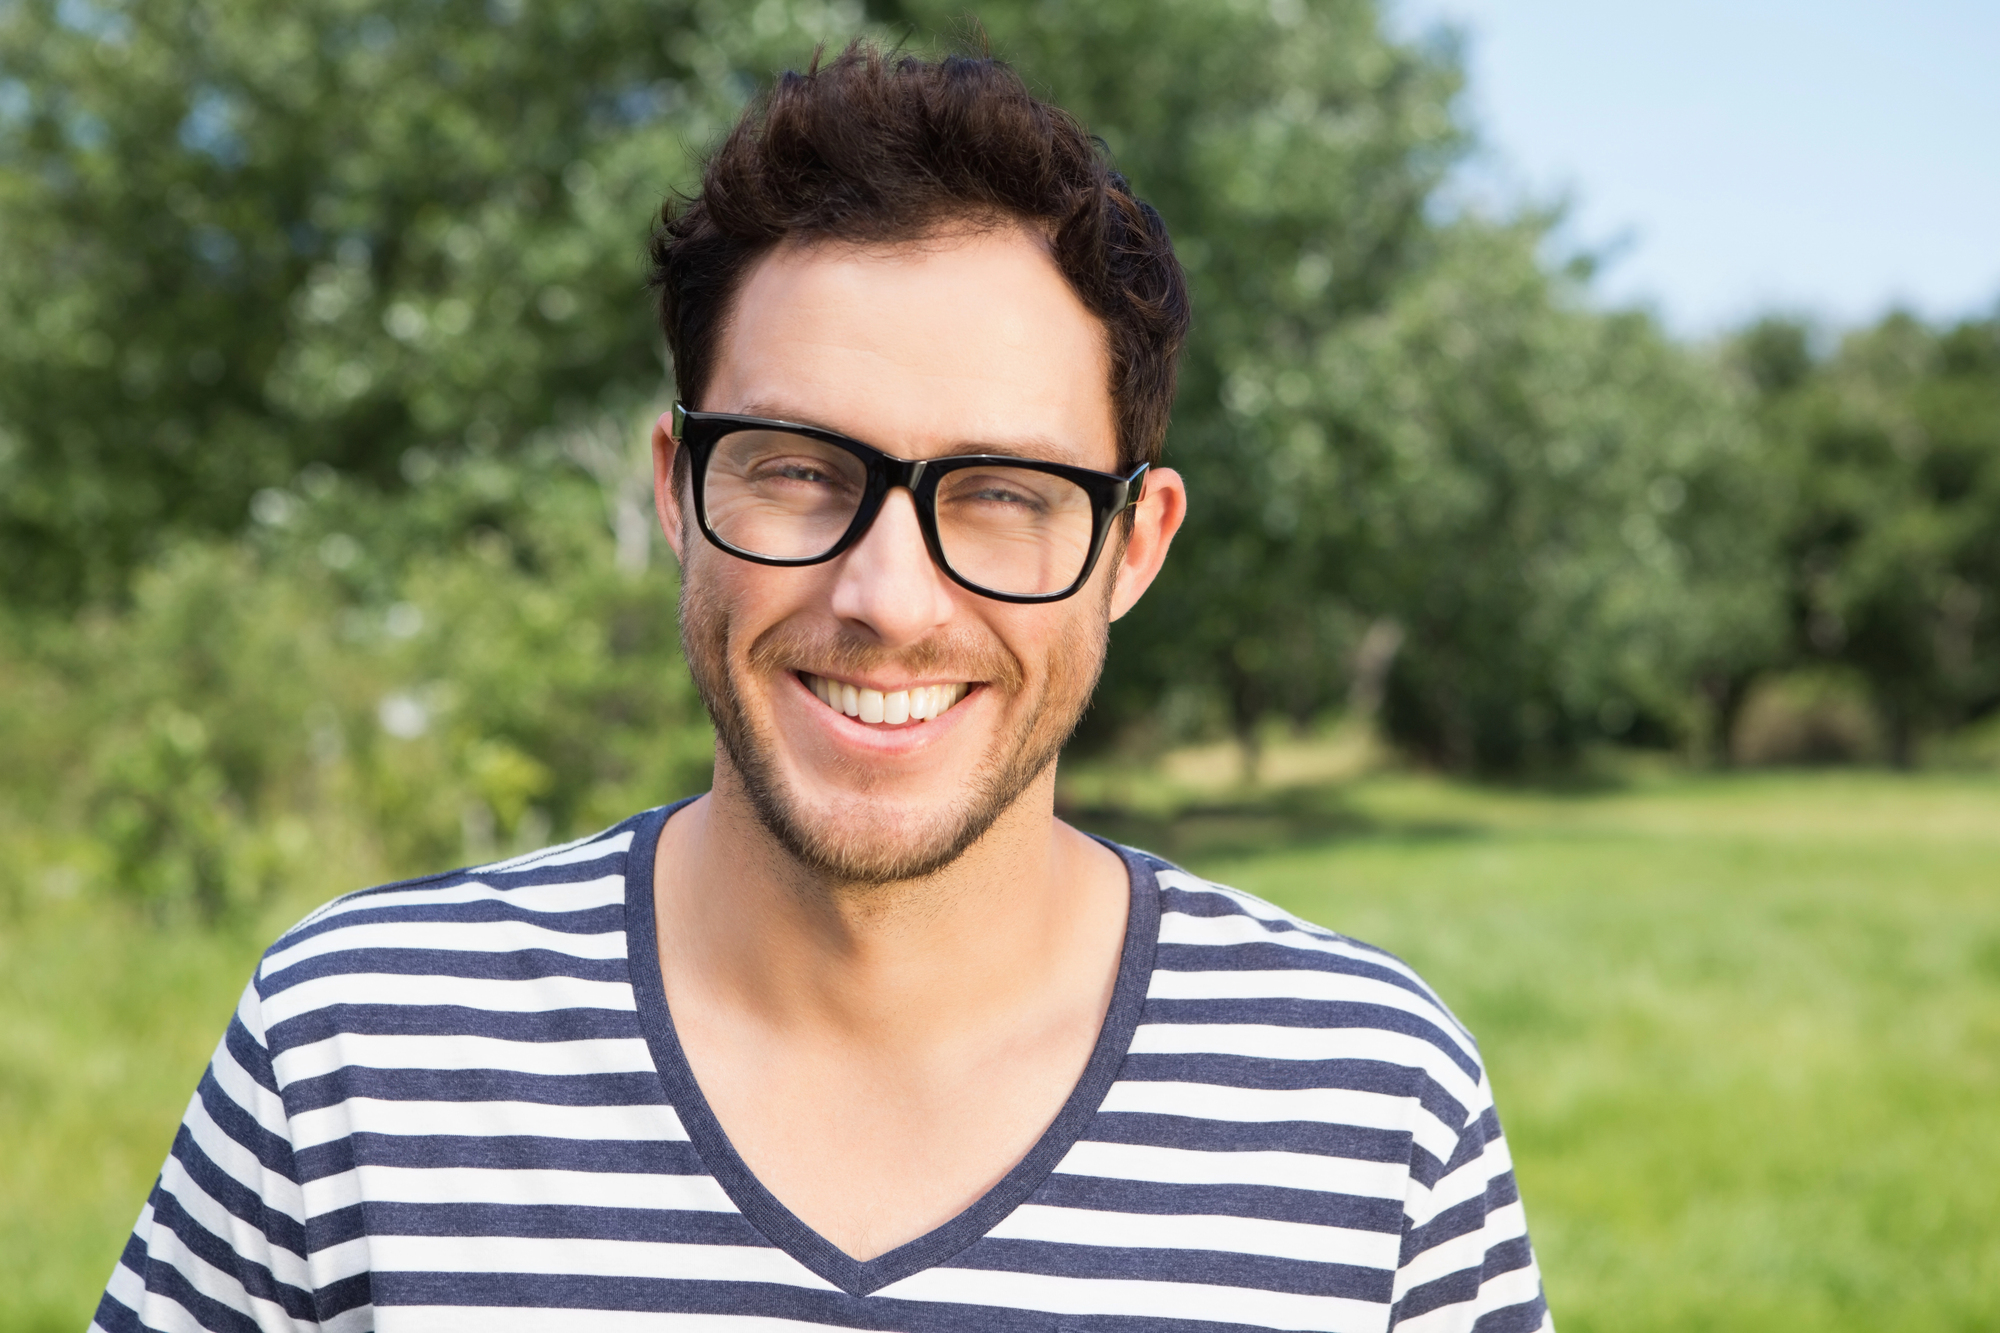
x: 243, y: 235
x: 1891, y: 450
x: 1393, y: 418
x: 252, y: 247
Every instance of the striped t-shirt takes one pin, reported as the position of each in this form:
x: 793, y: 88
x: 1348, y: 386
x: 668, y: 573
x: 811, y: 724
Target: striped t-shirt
x: 457, y: 1105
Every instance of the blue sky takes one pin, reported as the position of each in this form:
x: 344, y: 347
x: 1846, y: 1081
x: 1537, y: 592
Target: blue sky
x: 1828, y: 159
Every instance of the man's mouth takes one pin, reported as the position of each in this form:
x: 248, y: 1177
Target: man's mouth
x: 884, y: 708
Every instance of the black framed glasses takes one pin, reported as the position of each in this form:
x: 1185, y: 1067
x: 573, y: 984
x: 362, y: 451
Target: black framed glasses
x: 1014, y: 529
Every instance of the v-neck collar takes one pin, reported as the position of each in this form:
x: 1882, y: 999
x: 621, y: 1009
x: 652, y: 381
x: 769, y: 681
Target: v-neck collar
x: 758, y: 1205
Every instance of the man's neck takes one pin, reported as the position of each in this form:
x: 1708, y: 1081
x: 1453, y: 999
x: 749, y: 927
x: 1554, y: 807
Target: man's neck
x: 1032, y: 907
x: 881, y: 1057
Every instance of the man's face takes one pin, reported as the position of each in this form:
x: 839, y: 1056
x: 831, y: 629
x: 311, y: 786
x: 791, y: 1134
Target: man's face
x: 967, y: 344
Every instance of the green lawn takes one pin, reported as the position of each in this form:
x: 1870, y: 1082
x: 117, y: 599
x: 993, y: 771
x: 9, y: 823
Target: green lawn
x: 1745, y: 1033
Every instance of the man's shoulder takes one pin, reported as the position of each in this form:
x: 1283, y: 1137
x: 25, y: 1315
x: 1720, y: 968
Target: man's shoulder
x: 1239, y: 958
x: 558, y: 912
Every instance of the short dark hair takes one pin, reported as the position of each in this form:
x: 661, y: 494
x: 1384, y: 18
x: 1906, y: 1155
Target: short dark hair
x: 870, y: 150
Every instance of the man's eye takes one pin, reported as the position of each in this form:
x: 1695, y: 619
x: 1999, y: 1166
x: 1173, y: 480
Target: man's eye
x: 997, y: 491
x: 1004, y: 495
x: 795, y: 470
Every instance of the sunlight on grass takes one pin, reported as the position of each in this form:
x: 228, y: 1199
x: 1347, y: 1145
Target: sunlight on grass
x: 1745, y: 1030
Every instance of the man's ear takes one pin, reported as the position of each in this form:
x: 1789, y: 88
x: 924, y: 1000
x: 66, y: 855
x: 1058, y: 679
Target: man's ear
x: 666, y: 500
x: 1155, y: 520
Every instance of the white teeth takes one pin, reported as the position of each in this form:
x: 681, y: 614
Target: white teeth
x: 892, y: 707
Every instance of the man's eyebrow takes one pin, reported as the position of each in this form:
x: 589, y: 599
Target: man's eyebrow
x: 1034, y: 447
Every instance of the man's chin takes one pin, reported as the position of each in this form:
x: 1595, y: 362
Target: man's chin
x: 871, y: 840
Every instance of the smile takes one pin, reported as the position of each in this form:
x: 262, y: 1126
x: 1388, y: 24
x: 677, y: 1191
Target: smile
x: 890, y: 708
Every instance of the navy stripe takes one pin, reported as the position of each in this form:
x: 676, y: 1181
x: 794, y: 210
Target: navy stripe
x: 251, y: 1057
x: 1224, y: 1268
x: 114, y: 1317
x: 473, y: 1085
x: 210, y: 1313
x: 238, y: 1199
x: 1270, y: 1202
x: 1351, y: 1075
x: 1313, y: 1137
x: 1318, y: 1015
x: 348, y: 1003
x: 256, y: 1278
x: 661, y: 1157
x: 663, y: 1226
x: 449, y: 1020
x: 1523, y: 1318
x: 272, y: 1152
x: 597, y: 919
x: 470, y: 964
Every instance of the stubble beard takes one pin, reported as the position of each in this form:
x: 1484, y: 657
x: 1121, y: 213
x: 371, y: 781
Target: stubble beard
x: 844, y: 851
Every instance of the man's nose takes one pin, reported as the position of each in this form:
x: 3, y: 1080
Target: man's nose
x: 888, y: 582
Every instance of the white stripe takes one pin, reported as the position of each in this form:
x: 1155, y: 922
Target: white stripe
x: 1302, y: 983
x: 448, y: 937
x: 512, y: 1319
x: 1168, y: 1231
x: 240, y: 1164
x: 1464, y: 1251
x: 360, y: 1319
x: 370, y: 1115
x: 590, y: 1055
x: 159, y: 1314
x: 1284, y: 1170
x: 242, y: 1088
x: 564, y: 853
x: 522, y: 1187
x: 1251, y: 905
x: 250, y: 1012
x: 126, y: 1286
x: 568, y: 896
x: 1329, y: 1106
x: 1161, y: 1300
x: 286, y: 1266
x: 542, y: 995
x: 572, y: 1257
x: 1514, y: 1288
x: 163, y: 1246
x: 1467, y: 1182
x: 568, y: 853
x: 1274, y: 1042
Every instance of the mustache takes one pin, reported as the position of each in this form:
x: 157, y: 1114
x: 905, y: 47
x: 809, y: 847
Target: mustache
x: 955, y: 654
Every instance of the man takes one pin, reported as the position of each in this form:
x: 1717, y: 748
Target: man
x: 864, y: 1037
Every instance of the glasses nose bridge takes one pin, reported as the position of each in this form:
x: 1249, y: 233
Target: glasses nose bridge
x: 894, y: 473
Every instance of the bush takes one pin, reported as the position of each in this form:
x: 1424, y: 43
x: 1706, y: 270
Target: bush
x: 1807, y: 717
x: 343, y: 675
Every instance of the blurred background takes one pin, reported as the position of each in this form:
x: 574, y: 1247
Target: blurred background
x: 1591, y: 592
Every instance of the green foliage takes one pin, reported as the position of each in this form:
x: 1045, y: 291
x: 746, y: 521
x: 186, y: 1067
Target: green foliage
x: 368, y: 269
x: 1391, y: 420
x: 1890, y: 452
x: 245, y: 235
x: 311, y: 684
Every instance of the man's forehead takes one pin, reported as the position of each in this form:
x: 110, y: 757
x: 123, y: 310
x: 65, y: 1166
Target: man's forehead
x: 949, y: 344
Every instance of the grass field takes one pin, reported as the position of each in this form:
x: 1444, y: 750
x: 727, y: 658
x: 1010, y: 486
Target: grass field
x: 1745, y: 1032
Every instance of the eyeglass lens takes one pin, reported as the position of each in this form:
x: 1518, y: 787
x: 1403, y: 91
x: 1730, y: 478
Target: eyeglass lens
x: 1007, y: 529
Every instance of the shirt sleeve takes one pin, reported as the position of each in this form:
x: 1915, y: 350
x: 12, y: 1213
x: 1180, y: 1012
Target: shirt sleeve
x: 221, y: 1242
x: 1467, y: 1266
